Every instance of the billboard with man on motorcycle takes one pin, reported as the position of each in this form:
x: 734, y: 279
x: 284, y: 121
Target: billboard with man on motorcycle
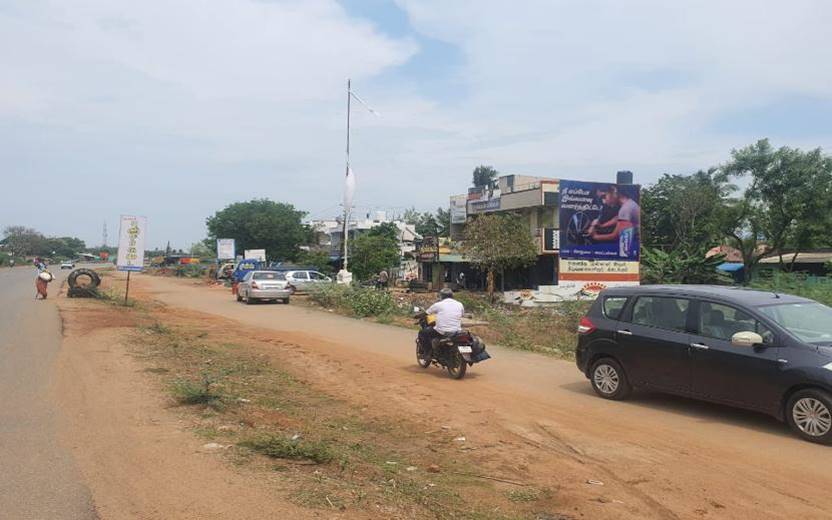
x: 599, y: 221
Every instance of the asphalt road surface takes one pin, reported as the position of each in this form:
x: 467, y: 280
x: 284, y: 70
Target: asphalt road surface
x: 38, y: 478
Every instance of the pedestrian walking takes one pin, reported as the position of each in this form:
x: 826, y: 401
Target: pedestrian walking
x: 460, y: 280
x: 41, y: 283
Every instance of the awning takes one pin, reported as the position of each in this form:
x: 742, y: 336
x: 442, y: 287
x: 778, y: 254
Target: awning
x: 730, y: 267
x: 451, y: 258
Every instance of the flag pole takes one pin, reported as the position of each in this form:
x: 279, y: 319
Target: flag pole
x: 346, y: 173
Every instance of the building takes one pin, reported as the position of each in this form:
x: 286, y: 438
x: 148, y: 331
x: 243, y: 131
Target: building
x: 592, y: 258
x: 534, y: 198
x: 330, y: 233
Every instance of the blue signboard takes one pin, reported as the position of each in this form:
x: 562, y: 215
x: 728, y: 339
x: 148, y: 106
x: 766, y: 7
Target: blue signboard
x: 599, y: 221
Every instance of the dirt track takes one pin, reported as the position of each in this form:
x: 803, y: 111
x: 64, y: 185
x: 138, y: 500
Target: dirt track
x: 534, y: 419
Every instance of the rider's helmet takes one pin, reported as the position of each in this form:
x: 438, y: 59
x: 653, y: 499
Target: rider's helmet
x: 446, y: 293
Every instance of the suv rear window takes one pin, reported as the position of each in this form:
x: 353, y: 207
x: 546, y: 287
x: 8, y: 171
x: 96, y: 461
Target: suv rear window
x: 613, y: 305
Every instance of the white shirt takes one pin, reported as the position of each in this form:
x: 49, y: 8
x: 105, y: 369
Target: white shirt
x: 448, y: 315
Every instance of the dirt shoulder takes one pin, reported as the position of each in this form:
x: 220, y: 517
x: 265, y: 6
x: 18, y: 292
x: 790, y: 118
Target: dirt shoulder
x: 525, y: 418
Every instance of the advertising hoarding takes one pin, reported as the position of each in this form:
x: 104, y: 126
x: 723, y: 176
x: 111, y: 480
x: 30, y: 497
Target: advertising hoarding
x: 599, y: 221
x: 597, y: 270
x: 255, y: 254
x: 131, y: 240
x: 225, y: 248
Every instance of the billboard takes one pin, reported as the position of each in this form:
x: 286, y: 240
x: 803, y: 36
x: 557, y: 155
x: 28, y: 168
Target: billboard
x: 225, y: 249
x: 131, y: 235
x: 599, y: 221
x: 255, y: 254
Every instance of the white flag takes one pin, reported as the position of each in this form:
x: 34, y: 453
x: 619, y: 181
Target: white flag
x: 349, y: 189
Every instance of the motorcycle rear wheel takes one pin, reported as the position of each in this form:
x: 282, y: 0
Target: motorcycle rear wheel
x: 459, y: 367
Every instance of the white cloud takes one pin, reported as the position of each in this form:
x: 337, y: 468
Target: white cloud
x: 204, y: 103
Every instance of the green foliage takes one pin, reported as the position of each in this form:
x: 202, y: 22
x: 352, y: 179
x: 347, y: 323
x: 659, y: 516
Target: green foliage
x: 279, y: 447
x: 484, y: 176
x: 193, y: 393
x: 22, y: 241
x: 680, y: 266
x: 499, y: 241
x: 190, y: 271
x: 204, y: 250
x: 369, y: 254
x: 428, y: 224
x: 262, y: 224
x: 318, y: 259
x: 386, y: 230
x: 818, y: 288
x: 355, y: 300
x: 685, y: 211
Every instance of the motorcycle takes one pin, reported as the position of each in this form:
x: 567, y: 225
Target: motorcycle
x: 454, y: 353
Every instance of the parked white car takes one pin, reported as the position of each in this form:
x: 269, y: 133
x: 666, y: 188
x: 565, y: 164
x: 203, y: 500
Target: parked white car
x: 67, y: 264
x: 304, y: 280
x: 264, y: 285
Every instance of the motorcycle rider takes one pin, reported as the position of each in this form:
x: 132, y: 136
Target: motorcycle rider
x: 448, y: 313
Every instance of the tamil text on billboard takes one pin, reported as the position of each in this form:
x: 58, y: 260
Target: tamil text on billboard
x: 131, y: 238
x: 599, y: 221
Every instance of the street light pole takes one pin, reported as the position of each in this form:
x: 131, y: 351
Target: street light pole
x: 347, y: 172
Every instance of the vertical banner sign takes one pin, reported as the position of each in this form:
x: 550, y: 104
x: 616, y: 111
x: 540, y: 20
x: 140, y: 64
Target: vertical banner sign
x: 131, y: 240
x: 599, y: 221
x: 225, y: 249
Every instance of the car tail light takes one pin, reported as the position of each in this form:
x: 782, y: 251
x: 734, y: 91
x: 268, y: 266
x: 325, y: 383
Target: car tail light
x: 585, y: 326
x: 254, y: 285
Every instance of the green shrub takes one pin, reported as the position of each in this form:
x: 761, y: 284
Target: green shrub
x: 358, y: 301
x: 279, y: 447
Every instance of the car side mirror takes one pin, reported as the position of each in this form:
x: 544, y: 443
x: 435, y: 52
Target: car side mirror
x: 746, y: 339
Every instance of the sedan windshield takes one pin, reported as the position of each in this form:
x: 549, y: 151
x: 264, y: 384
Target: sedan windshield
x: 811, y: 322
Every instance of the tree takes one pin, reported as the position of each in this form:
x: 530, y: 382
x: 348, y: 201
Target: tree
x: 443, y: 219
x: 261, y: 224
x: 385, y: 229
x: 496, y: 242
x: 369, y: 254
x: 203, y: 250
x: 428, y: 224
x: 23, y: 241
x: 484, y: 176
x: 320, y: 260
x: 787, y: 200
x: 685, y: 211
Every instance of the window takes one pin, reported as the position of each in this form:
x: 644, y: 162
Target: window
x: 661, y: 312
x: 613, y: 306
x: 722, y: 322
x: 811, y: 322
x: 300, y: 275
x: 316, y: 275
x: 269, y: 276
x: 247, y: 277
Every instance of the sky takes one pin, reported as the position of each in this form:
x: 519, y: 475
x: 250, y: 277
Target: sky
x: 175, y: 109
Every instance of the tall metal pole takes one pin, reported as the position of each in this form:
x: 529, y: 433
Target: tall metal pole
x: 347, y: 172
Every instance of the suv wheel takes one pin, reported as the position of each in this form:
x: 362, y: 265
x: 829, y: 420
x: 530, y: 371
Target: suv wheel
x: 809, y: 413
x: 608, y: 379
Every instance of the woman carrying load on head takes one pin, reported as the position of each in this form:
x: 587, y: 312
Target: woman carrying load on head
x: 43, y: 278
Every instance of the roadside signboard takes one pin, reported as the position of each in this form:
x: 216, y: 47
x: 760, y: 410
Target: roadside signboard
x: 131, y: 240
x: 255, y: 254
x: 599, y: 221
x: 225, y: 248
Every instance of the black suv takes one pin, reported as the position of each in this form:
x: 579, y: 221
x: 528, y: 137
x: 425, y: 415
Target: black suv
x: 751, y: 349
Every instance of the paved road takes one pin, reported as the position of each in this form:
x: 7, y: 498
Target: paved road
x: 38, y: 478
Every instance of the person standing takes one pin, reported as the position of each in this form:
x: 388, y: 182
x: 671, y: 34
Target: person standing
x: 460, y: 280
x: 383, y: 279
